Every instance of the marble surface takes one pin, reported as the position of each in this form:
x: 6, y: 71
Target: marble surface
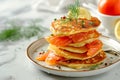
x: 14, y: 64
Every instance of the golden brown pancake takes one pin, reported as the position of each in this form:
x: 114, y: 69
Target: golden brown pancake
x: 70, y: 55
x: 75, y: 40
x: 82, y: 43
x: 60, y: 27
x: 75, y: 49
x: 77, y: 64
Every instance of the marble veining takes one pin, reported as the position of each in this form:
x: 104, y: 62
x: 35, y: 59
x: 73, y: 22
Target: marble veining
x: 6, y: 57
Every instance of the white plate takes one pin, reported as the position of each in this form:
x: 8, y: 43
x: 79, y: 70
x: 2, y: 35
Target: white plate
x: 111, y: 61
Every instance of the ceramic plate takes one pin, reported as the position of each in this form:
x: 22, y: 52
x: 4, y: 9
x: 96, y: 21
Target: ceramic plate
x: 111, y: 47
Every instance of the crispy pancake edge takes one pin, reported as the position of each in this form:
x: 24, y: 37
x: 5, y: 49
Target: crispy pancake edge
x: 70, y: 55
x: 78, y: 66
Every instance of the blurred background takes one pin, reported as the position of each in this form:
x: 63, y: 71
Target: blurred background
x: 35, y: 8
x: 21, y: 12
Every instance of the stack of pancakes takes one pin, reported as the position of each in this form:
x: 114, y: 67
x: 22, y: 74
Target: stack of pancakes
x: 76, y: 41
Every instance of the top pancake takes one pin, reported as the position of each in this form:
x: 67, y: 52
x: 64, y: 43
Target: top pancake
x: 66, y: 26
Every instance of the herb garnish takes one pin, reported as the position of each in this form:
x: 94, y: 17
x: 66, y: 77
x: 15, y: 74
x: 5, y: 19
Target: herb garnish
x: 94, y: 67
x: 16, y: 32
x: 51, y: 34
x: 83, y: 23
x: 55, y: 19
x: 74, y: 10
x: 72, y: 14
x: 10, y: 34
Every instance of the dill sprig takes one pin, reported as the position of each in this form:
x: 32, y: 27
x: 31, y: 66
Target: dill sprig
x: 12, y: 34
x: 74, y: 9
x: 94, y: 67
x: 32, y: 30
x: 17, y: 32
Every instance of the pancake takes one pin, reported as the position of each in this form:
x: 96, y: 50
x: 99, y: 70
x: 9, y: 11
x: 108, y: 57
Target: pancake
x: 75, y: 49
x: 70, y: 55
x: 65, y: 28
x: 74, y: 42
x: 79, y: 39
x: 82, y: 43
x: 77, y: 64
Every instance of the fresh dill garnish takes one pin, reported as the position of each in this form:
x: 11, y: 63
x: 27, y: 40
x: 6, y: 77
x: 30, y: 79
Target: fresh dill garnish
x: 16, y: 32
x: 94, y: 67
x: 91, y: 23
x: 31, y: 30
x: 83, y: 23
x: 55, y: 19
x: 74, y: 10
x: 51, y: 34
x: 12, y: 34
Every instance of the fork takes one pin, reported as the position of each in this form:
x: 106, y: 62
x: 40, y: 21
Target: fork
x: 116, y: 53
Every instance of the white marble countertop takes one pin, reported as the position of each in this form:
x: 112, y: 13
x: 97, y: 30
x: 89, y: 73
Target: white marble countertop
x: 14, y: 64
